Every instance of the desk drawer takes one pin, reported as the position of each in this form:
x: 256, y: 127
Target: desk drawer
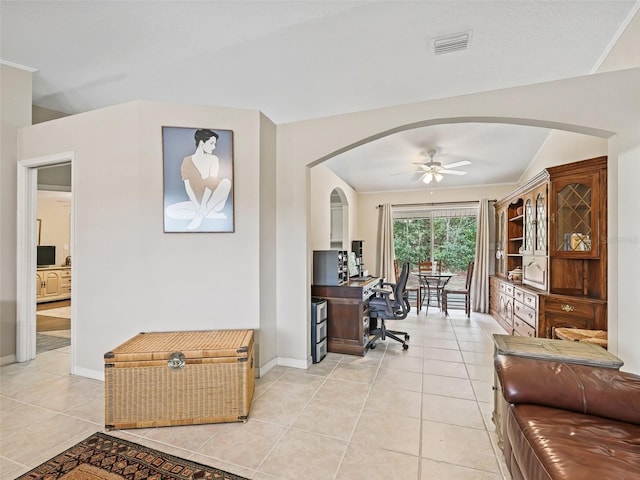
x: 321, y: 330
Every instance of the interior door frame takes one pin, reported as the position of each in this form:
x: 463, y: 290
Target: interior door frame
x: 26, y: 252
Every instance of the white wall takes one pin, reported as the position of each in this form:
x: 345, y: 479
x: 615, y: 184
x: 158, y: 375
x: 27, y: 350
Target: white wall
x: 129, y: 276
x: 323, y: 182
x: 54, y: 212
x: 15, y: 112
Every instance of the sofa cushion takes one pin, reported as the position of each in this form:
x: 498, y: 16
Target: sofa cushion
x: 600, y: 391
x: 549, y: 443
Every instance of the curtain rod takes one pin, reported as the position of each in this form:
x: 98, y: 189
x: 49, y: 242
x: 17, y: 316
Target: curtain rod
x: 434, y: 203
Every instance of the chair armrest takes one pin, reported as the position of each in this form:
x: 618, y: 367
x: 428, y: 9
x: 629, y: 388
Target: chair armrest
x: 592, y: 390
x: 383, y: 291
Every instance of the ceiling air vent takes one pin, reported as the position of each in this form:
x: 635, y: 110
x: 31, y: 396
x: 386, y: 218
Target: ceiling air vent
x: 451, y: 43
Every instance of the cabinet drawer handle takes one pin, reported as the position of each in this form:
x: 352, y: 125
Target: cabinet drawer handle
x: 567, y: 308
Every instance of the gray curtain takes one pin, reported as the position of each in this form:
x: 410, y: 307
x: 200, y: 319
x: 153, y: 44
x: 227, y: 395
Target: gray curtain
x: 480, y: 282
x: 386, y: 252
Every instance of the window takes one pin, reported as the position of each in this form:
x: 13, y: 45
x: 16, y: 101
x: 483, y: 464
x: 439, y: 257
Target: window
x: 444, y: 232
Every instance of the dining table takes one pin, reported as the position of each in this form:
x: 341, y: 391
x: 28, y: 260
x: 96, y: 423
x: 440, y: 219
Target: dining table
x: 432, y: 285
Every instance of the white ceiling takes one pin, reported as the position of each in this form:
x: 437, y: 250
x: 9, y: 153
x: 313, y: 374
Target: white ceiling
x: 307, y: 59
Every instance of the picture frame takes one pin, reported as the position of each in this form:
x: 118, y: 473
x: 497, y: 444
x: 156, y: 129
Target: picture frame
x: 198, y: 180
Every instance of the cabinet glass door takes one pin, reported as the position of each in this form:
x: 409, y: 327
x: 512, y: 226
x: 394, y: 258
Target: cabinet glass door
x: 576, y: 225
x: 541, y: 225
x: 529, y: 227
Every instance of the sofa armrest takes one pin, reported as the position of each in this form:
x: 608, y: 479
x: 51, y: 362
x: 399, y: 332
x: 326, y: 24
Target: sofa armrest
x: 598, y: 391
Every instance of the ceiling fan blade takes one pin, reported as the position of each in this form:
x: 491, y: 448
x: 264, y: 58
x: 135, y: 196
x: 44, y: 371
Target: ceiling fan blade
x: 461, y: 163
x: 453, y: 172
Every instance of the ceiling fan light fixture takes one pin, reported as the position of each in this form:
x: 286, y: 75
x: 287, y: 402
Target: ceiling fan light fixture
x: 428, y: 178
x: 438, y: 177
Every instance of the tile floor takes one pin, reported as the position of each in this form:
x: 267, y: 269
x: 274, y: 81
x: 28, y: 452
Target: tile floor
x: 419, y: 414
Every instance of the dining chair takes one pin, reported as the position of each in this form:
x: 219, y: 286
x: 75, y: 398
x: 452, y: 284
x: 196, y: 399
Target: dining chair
x: 430, y: 287
x: 465, y: 292
x: 409, y: 289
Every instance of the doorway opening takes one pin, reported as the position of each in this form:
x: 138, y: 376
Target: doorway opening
x: 29, y: 232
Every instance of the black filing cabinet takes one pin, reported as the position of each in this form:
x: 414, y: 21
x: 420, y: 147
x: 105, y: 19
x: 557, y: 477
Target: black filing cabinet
x: 318, y: 329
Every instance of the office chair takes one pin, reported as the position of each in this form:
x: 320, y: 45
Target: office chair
x: 464, y: 292
x: 408, y: 289
x: 390, y: 305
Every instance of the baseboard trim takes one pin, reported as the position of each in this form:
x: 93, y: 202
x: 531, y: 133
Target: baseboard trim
x: 87, y: 372
x: 8, y: 359
x: 295, y: 363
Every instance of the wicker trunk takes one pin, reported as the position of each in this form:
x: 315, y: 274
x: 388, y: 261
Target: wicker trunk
x: 179, y: 378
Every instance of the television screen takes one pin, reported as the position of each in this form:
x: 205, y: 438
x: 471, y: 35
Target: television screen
x: 46, y: 255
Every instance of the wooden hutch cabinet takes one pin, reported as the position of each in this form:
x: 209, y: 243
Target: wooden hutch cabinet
x: 554, y: 228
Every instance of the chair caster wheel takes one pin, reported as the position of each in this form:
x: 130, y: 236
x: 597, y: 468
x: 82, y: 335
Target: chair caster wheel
x: 405, y: 346
x: 407, y: 337
x: 372, y: 346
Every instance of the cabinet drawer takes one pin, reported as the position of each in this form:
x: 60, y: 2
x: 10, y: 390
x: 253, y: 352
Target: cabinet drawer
x: 570, y: 307
x: 518, y: 294
x: 531, y: 300
x: 523, y: 328
x: 64, y: 290
x: 65, y: 273
x: 508, y: 289
x: 525, y: 313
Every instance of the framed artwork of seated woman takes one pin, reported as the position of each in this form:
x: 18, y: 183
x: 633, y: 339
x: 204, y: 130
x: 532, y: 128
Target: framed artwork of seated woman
x: 198, y: 179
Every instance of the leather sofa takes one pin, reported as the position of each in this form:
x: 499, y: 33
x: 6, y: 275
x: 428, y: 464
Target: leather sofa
x: 568, y: 421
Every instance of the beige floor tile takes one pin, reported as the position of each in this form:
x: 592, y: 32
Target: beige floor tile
x: 443, y: 354
x: 387, y: 400
x: 348, y: 393
x: 301, y: 455
x: 432, y: 470
x: 62, y: 392
x: 455, y: 411
x: 255, y: 438
x: 478, y: 358
x: 388, y: 431
x: 10, y: 470
x: 406, y: 363
x: 444, y: 368
x: 328, y: 418
x: 483, y: 390
x: 279, y: 407
x: 457, y: 445
x: 363, y: 462
x: 298, y: 383
x: 366, y: 397
x: 322, y: 369
x: 371, y: 359
x: 188, y: 437
x: 21, y: 417
x: 91, y: 411
x: 448, y: 386
x: 478, y: 347
x: 42, y: 437
x: 480, y: 372
x: 441, y: 343
x: 392, y: 379
x: 354, y: 373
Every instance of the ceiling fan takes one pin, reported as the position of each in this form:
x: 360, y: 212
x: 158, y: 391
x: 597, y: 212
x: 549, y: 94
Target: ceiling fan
x: 433, y: 170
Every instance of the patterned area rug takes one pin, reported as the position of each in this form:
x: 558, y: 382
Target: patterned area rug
x: 103, y: 457
x: 44, y: 342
